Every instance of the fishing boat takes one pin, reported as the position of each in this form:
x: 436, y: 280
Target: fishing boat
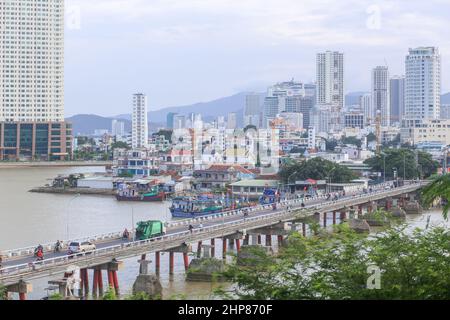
x: 202, y: 205
x: 134, y: 194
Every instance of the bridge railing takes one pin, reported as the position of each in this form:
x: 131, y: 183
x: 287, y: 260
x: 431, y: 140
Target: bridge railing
x: 184, y: 235
x: 48, y: 247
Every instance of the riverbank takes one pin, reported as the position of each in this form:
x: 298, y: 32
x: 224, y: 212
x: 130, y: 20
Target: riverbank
x: 53, y: 164
x: 84, y: 191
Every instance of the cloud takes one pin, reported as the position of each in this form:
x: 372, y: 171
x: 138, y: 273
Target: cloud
x: 240, y: 43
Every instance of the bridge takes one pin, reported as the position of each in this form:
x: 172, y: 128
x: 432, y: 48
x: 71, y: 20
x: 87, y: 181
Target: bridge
x: 19, y: 265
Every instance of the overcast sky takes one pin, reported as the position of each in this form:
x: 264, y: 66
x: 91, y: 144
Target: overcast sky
x: 180, y: 52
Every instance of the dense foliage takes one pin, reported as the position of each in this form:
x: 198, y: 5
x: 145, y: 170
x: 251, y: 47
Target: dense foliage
x: 120, y: 145
x: 438, y: 189
x: 317, y: 169
x: 404, y: 160
x: 342, y: 265
x: 352, y: 140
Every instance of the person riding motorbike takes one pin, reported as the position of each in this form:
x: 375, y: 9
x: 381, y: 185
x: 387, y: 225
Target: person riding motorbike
x: 40, y: 255
x: 126, y: 234
x: 37, y: 249
x: 58, y: 246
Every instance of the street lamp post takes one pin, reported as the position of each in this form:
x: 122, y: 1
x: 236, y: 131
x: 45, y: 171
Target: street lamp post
x: 395, y: 175
x: 290, y: 177
x: 404, y: 166
x: 329, y: 179
x: 68, y: 216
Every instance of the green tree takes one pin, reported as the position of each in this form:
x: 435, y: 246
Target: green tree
x: 352, y: 140
x: 317, y: 169
x: 120, y: 145
x: 56, y: 296
x: 166, y: 133
x: 110, y: 294
x: 438, y: 189
x: 371, y: 137
x: 3, y: 293
x: 404, y: 160
x: 413, y: 265
x: 330, y: 145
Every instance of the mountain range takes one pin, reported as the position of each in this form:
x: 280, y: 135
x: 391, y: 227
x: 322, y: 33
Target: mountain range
x: 86, y: 124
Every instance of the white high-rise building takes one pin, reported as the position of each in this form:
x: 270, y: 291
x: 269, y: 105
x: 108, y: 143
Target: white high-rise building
x: 290, y: 96
x: 117, y: 128
x: 330, y: 84
x: 32, y: 61
x: 232, y: 120
x: 422, y: 85
x: 365, y: 102
x: 380, y: 94
x: 139, y: 122
x: 179, y: 121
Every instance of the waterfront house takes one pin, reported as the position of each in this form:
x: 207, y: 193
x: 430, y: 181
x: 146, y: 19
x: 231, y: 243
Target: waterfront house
x: 219, y: 176
x: 252, y: 189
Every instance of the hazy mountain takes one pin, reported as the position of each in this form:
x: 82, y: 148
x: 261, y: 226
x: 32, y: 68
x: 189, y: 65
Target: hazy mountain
x: 86, y: 124
x: 209, y: 110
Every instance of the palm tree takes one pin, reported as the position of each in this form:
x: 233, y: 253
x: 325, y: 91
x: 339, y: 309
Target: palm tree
x: 438, y: 189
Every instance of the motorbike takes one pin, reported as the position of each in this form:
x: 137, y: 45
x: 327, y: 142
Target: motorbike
x: 58, y: 247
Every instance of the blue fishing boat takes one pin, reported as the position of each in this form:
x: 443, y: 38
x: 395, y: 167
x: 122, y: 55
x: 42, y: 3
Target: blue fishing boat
x: 202, y: 205
x: 269, y: 196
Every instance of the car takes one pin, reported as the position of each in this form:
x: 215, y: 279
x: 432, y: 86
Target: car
x: 80, y: 247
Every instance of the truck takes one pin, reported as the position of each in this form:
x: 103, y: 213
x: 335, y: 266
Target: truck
x: 150, y: 229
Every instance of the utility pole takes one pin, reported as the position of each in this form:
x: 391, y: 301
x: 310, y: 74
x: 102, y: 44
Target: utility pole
x: 378, y: 131
x: 404, y: 167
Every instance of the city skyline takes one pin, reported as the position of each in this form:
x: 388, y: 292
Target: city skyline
x: 149, y: 45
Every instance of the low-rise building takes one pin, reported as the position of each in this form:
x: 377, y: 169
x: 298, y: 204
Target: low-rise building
x: 137, y: 162
x: 252, y: 189
x: 220, y: 176
x: 35, y: 141
x: 427, y: 131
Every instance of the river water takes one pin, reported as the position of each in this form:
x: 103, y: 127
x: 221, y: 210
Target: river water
x: 27, y: 219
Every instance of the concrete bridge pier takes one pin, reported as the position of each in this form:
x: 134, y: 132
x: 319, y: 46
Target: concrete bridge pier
x: 325, y: 219
x: 185, y: 249
x: 304, y: 229
x: 22, y: 288
x: 157, y: 262
x: 186, y: 261
x: 199, y: 249
x: 224, y: 248
x: 84, y: 283
x: 334, y: 217
x: 213, y: 247
x: 280, y: 240
x: 268, y: 240
x: 246, y: 240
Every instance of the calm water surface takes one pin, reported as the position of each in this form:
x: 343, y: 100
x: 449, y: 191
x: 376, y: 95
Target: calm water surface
x: 27, y: 219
